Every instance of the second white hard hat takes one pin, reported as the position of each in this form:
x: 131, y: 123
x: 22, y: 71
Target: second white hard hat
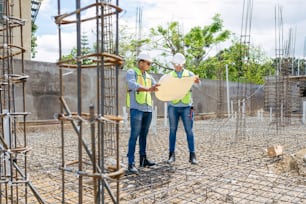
x: 144, y: 55
x: 178, y: 58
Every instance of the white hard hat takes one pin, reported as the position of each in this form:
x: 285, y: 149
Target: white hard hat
x: 144, y: 55
x: 178, y: 58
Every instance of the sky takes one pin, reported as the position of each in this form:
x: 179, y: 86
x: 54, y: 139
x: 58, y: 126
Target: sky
x: 189, y: 13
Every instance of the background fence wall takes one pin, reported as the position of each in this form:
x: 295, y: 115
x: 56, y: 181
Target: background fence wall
x: 42, y: 92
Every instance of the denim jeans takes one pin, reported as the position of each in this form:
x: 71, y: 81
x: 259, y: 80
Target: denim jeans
x: 187, y: 116
x: 140, y: 123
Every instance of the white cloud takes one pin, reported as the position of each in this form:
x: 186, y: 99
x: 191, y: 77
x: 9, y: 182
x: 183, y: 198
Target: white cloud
x: 48, y: 47
x: 197, y: 13
x: 45, y: 6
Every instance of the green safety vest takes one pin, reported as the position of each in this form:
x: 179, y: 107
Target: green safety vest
x: 187, y: 98
x: 142, y: 97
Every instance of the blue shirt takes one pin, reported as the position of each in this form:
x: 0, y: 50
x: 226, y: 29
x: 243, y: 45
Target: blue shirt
x: 133, y: 86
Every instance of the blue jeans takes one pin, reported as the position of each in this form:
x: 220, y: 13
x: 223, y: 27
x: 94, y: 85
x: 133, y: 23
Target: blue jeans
x: 187, y: 116
x: 140, y: 124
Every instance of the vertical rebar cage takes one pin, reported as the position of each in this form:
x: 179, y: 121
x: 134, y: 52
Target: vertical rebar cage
x: 94, y: 158
x: 15, y: 186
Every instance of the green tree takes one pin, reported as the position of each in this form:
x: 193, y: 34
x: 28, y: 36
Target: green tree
x: 169, y: 38
x: 245, y: 63
x: 199, y: 40
x: 251, y: 70
x: 33, y: 40
x: 128, y: 47
x: 85, y: 49
x: 195, y: 44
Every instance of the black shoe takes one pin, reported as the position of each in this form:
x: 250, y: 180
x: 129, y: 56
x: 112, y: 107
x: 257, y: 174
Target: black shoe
x: 192, y: 158
x: 132, y: 169
x: 145, y: 162
x: 171, y: 158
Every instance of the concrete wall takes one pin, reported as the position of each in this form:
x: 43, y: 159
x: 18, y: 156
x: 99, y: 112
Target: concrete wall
x: 43, y: 91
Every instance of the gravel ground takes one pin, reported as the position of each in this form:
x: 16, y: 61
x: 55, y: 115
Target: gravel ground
x: 234, y: 166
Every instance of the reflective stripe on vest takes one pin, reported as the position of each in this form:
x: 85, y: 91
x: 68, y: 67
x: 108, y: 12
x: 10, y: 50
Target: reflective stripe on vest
x: 141, y: 97
x: 187, y: 98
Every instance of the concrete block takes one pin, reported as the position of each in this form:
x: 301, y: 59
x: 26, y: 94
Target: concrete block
x: 274, y: 151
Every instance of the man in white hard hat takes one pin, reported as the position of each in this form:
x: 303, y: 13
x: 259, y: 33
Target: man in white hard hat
x: 140, y: 85
x: 181, y: 108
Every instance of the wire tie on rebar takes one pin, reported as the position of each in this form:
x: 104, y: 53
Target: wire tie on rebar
x: 56, y: 116
x: 7, y: 155
x: 100, y: 118
x: 5, y: 18
x: 77, y: 175
x: 92, y: 121
x: 78, y: 58
x: 5, y: 46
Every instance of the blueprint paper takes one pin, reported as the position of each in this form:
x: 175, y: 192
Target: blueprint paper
x: 172, y: 88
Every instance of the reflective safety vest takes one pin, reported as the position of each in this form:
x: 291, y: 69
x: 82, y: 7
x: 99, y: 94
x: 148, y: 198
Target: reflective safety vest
x: 187, y: 98
x: 141, y: 97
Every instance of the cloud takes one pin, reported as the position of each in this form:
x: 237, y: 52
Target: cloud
x: 46, y: 5
x: 48, y: 47
x: 190, y: 14
x: 48, y: 42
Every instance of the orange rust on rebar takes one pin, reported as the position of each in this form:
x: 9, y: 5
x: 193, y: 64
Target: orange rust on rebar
x: 114, y: 117
x: 86, y: 116
x: 10, y: 27
x: 72, y: 115
x: 15, y: 78
x: 113, y: 175
x: 72, y: 162
x: 16, y: 150
x: 116, y: 174
x: 9, y: 46
x: 60, y: 19
x: 108, y: 59
x: 20, y: 149
x: 12, y: 22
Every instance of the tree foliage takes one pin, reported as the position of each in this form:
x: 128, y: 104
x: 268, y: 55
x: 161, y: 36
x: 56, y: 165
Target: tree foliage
x: 251, y: 69
x: 195, y: 44
x: 85, y: 49
x: 128, y: 47
x: 169, y: 38
x: 33, y: 40
x: 245, y: 62
x: 198, y: 41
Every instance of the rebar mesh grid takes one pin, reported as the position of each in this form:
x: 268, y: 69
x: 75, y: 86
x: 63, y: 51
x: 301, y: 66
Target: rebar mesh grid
x: 228, y: 171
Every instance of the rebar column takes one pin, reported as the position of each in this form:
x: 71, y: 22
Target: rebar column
x: 100, y: 66
x: 14, y: 180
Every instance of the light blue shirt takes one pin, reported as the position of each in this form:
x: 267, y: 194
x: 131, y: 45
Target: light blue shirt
x: 133, y: 86
x: 180, y: 104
